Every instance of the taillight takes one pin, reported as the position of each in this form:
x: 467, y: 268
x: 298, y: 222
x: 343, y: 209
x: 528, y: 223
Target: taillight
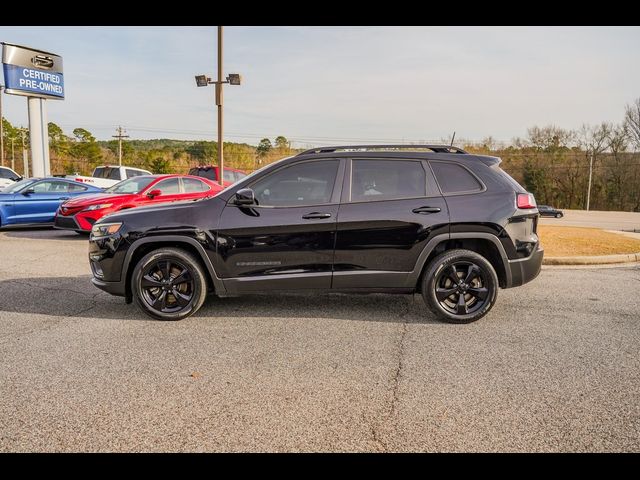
x: 526, y: 200
x: 79, y: 180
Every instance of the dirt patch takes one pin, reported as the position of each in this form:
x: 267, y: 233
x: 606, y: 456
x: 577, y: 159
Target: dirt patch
x: 575, y: 241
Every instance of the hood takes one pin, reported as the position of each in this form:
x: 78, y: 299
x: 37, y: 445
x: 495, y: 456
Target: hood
x: 96, y: 198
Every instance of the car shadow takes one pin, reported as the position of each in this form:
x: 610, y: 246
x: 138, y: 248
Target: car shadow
x: 77, y: 297
x: 43, y: 233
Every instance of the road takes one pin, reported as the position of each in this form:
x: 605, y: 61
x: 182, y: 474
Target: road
x: 628, y: 221
x: 554, y: 367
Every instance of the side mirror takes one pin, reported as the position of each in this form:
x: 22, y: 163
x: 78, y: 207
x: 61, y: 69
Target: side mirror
x: 245, y: 196
x: 16, y: 179
x: 156, y: 192
x: 28, y: 191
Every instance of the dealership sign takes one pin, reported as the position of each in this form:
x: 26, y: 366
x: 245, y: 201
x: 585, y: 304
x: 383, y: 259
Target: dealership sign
x: 33, y: 73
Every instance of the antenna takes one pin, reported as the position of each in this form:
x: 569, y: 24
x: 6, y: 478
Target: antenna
x: 453, y: 138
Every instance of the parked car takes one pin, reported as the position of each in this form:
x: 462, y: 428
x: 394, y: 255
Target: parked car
x: 548, y: 211
x: 399, y: 219
x: 80, y: 214
x: 107, y: 176
x: 231, y: 175
x: 34, y: 201
x: 8, y: 177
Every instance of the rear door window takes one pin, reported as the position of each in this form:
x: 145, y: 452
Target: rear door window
x: 192, y: 185
x: 373, y: 180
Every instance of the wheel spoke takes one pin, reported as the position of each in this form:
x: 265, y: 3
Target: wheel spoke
x: 181, y: 298
x: 166, y: 270
x: 452, y: 273
x: 443, y: 293
x: 471, y: 274
x: 480, y: 293
x: 185, y: 276
x: 150, y: 282
x: 461, y: 307
x: 160, y: 303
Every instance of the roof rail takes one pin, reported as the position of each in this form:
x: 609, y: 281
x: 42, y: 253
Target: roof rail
x: 433, y: 148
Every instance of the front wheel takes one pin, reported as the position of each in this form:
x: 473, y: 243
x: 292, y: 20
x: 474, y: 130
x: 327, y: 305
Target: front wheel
x: 460, y: 286
x: 558, y: 215
x: 169, y: 284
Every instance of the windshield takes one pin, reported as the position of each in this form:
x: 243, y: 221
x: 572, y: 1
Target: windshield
x: 16, y: 187
x: 132, y: 185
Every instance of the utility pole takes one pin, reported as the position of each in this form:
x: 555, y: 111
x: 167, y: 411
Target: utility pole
x: 13, y: 155
x: 590, y: 175
x: 120, y: 136
x: 1, y: 130
x: 25, y: 159
x: 219, y: 104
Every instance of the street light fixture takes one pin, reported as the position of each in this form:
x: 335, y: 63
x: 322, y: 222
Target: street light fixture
x: 232, y: 79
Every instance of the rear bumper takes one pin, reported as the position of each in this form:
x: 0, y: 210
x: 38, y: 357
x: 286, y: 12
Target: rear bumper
x: 114, y: 288
x: 526, y: 269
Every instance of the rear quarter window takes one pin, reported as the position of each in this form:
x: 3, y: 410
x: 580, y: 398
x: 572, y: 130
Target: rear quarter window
x: 454, y: 178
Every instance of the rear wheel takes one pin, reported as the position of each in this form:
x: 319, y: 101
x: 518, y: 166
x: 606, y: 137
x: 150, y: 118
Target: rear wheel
x: 460, y: 286
x: 169, y: 284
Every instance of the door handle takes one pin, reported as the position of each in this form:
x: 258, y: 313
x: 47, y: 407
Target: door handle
x: 425, y: 210
x: 63, y: 198
x: 313, y: 215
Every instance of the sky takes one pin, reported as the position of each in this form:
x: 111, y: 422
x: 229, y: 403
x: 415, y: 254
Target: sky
x: 337, y: 85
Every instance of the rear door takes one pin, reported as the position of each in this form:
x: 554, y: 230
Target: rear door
x: 390, y: 210
x: 286, y: 241
x: 193, y: 188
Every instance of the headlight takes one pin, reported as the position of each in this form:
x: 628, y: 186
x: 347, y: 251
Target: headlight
x: 97, y: 207
x: 105, y: 229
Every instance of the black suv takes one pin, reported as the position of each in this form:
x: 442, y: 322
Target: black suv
x: 397, y: 219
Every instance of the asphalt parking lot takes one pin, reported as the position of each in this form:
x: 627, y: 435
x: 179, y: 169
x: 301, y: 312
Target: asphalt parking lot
x: 554, y: 367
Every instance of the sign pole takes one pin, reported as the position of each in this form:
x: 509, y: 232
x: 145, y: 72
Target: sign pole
x: 1, y: 130
x: 39, y: 137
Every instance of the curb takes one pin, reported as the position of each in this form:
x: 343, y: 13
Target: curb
x: 592, y: 260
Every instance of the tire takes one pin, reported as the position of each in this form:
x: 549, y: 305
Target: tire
x: 479, y: 292
x: 168, y: 300
x: 558, y: 215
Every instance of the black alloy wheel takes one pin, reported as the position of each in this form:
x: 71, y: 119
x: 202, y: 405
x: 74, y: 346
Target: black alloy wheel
x: 169, y: 284
x: 460, y: 286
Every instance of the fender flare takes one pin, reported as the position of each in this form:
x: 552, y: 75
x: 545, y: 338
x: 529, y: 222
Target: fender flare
x: 412, y: 279
x: 217, y: 281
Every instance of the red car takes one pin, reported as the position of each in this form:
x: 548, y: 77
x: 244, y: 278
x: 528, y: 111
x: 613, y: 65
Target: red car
x: 81, y: 213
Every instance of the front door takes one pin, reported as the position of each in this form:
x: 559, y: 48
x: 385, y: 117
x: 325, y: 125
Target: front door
x: 41, y: 205
x: 390, y: 209
x: 286, y: 240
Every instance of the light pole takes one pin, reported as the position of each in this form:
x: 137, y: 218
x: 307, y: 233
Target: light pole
x: 1, y: 130
x: 232, y: 79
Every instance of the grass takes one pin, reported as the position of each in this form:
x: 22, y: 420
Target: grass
x: 575, y: 241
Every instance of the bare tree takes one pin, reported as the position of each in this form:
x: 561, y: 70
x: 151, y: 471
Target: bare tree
x: 632, y: 122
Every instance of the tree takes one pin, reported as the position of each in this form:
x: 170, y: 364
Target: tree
x: 158, y: 165
x: 632, y: 122
x: 203, y: 151
x: 264, y: 147
x: 85, y: 147
x: 282, y: 143
x: 59, y: 142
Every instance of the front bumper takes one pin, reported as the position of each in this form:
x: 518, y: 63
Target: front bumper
x: 525, y: 269
x: 66, y: 223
